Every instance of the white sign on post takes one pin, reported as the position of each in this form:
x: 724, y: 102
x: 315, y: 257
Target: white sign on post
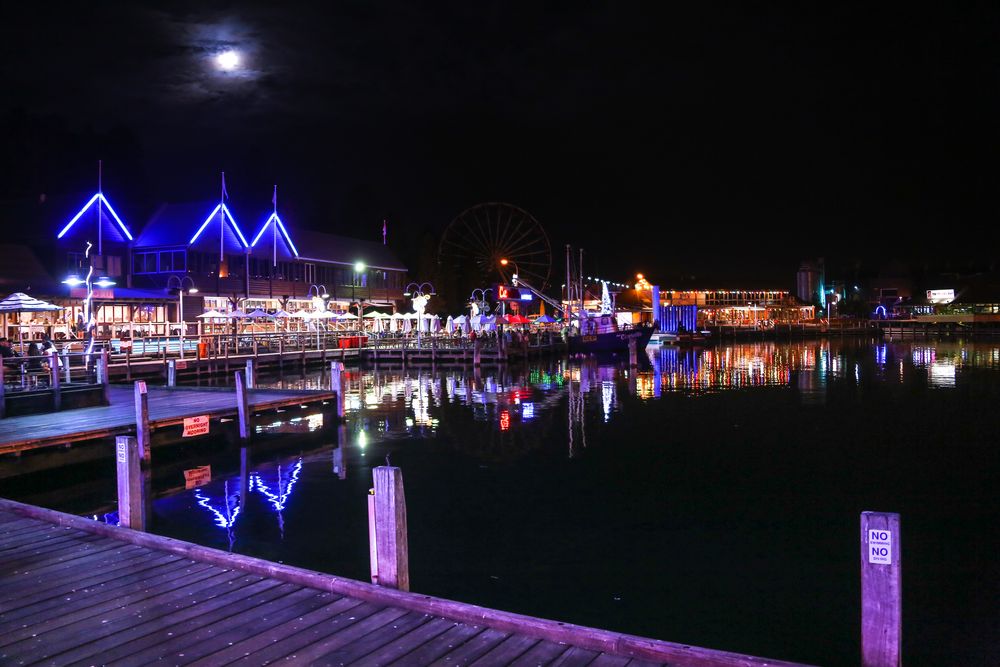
x: 195, y: 426
x: 122, y: 452
x: 879, y: 546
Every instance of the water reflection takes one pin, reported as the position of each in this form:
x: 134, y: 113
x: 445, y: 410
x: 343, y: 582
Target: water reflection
x: 498, y: 414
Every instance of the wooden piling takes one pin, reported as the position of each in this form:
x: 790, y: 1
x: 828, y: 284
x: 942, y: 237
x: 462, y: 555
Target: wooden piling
x: 372, y: 538
x: 142, y: 419
x: 171, y: 373
x: 250, y: 376
x: 243, y: 408
x: 131, y: 490
x: 477, y: 353
x: 65, y: 360
x: 881, y: 590
x: 390, y: 528
x: 102, y: 377
x: 337, y: 385
x: 128, y: 363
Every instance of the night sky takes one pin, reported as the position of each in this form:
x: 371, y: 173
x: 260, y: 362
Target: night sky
x: 725, y: 142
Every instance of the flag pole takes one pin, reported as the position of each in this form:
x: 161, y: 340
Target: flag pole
x: 100, y: 244
x: 274, y: 229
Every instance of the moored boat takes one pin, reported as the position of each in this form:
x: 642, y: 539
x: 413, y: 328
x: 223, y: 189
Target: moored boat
x: 600, y: 334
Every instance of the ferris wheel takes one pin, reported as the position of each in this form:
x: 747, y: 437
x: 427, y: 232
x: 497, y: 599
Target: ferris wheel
x: 481, y: 236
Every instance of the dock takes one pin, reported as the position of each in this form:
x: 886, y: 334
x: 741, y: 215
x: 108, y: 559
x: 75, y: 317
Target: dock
x: 167, y: 407
x: 79, y: 591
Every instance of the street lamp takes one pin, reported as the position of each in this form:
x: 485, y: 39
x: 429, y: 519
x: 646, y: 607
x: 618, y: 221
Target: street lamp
x: 505, y: 262
x: 418, y: 293
x: 359, y: 268
x: 322, y: 295
x: 180, y: 304
x: 481, y: 301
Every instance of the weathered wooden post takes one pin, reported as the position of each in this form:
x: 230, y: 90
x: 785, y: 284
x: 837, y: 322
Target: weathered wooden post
x: 881, y: 590
x: 243, y: 409
x: 633, y: 353
x: 102, y: 377
x: 142, y: 419
x: 128, y: 363
x: 171, y: 373
x: 250, y: 377
x: 337, y: 385
x: 131, y: 490
x: 54, y: 380
x: 281, y: 354
x: 391, y: 548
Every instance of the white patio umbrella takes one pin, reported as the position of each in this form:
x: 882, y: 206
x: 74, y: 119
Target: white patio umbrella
x: 237, y: 314
x: 282, y: 314
x: 435, y: 324
x: 258, y: 314
x: 211, y: 315
x: 19, y: 302
x: 449, y: 325
x: 407, y: 325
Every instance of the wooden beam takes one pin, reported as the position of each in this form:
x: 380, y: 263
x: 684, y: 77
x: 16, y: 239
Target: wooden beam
x: 131, y: 490
x: 390, y: 528
x: 337, y: 385
x: 171, y: 373
x: 251, y: 376
x: 881, y: 590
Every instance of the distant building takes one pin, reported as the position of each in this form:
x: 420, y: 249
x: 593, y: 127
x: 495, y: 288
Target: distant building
x: 810, y: 282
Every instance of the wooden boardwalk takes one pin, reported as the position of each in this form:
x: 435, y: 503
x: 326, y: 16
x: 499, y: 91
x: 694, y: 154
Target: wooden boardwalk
x: 75, y: 591
x: 167, y: 407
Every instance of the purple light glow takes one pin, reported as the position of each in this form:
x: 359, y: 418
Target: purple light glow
x: 104, y: 200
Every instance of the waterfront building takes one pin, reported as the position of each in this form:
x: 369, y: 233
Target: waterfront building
x: 701, y: 308
x: 810, y: 282
x: 136, y: 275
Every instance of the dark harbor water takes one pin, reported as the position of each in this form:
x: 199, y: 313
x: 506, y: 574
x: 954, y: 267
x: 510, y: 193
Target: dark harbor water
x: 711, y: 498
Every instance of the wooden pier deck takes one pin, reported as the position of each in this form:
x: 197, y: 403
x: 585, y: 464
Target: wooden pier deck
x: 167, y: 407
x: 75, y: 591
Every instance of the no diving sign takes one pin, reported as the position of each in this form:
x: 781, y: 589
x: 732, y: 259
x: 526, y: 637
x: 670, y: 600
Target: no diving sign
x: 879, y: 546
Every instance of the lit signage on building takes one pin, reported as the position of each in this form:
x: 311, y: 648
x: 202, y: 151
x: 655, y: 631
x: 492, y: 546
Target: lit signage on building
x: 940, y: 295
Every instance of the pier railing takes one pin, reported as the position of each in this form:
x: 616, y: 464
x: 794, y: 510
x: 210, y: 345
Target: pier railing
x: 49, y: 382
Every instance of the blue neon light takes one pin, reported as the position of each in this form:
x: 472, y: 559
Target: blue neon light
x: 277, y: 499
x: 281, y: 227
x: 104, y: 200
x: 225, y: 211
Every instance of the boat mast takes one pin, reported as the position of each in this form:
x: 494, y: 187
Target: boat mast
x: 581, y: 289
x: 569, y: 288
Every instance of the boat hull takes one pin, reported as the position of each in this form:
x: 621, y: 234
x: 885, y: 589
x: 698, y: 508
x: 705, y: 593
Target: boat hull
x: 612, y: 342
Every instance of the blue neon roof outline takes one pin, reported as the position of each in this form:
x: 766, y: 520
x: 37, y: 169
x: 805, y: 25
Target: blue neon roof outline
x: 284, y: 233
x: 104, y: 200
x: 228, y: 215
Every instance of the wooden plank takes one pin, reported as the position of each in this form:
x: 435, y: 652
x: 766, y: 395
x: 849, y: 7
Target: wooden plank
x: 507, y: 651
x: 541, y: 653
x: 255, y: 644
x: 44, y: 544
x: 150, y: 573
x: 406, y: 644
x: 342, y: 637
x: 52, y: 572
x: 361, y: 647
x: 472, y: 649
x: 606, y: 660
x: 575, y: 657
x: 458, y: 634
x: 90, y: 635
x: 186, y: 641
x: 72, y: 623
x: 57, y: 588
x: 504, y: 622
x: 881, y: 590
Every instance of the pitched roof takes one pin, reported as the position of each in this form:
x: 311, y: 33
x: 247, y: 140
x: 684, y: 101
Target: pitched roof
x: 189, y: 222
x: 331, y: 248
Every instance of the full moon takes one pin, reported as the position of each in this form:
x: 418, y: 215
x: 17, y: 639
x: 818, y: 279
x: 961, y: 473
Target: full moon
x: 228, y: 60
